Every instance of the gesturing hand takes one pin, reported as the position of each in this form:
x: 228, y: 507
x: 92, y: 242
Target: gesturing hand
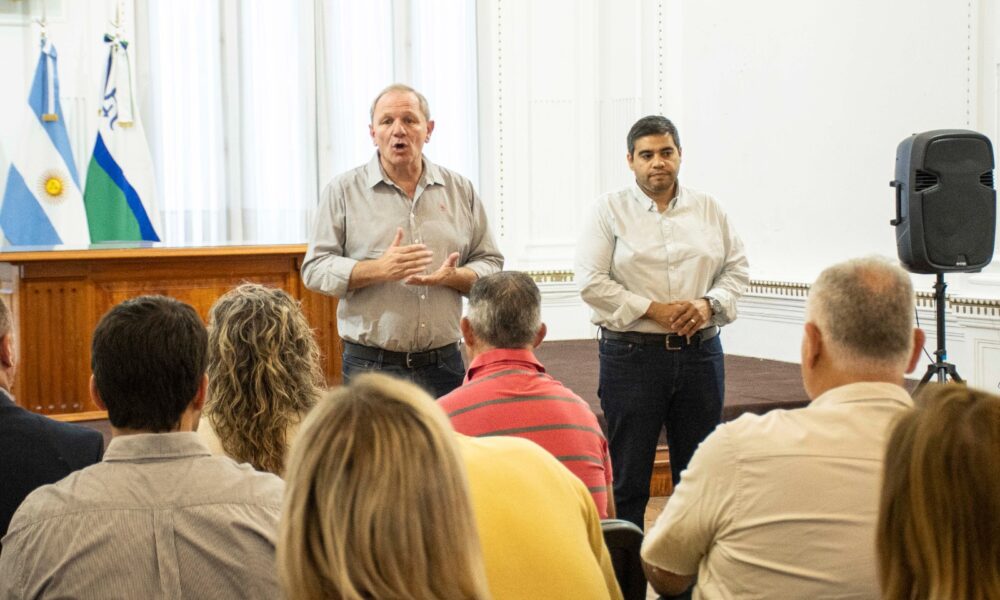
x: 399, y: 262
x: 442, y: 276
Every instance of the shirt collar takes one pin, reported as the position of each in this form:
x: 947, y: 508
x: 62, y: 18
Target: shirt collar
x: 649, y: 204
x: 503, y: 357
x: 374, y: 174
x: 863, y: 391
x: 147, y: 446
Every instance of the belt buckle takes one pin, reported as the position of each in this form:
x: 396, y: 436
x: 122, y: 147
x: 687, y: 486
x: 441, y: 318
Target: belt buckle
x: 409, y: 361
x: 669, y: 345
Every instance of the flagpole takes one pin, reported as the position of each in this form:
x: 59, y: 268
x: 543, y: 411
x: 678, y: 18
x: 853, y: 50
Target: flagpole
x: 48, y: 90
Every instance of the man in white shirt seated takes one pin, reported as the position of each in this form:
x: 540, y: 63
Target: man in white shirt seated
x: 160, y: 517
x: 785, y: 504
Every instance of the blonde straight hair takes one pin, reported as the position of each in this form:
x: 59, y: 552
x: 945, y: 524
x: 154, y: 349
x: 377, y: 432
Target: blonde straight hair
x: 939, y: 519
x: 377, y: 503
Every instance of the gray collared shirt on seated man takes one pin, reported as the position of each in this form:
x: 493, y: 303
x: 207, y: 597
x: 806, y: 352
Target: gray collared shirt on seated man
x: 632, y: 254
x: 357, y: 218
x: 160, y: 517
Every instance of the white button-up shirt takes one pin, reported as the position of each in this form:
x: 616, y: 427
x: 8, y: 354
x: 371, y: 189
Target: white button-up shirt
x: 631, y: 254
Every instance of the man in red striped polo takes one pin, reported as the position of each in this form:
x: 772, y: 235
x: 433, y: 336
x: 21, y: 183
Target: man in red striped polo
x: 507, y: 392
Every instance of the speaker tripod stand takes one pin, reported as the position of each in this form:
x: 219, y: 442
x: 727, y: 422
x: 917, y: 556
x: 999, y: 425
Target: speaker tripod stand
x: 940, y: 367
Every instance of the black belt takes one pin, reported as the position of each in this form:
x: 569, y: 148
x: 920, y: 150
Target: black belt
x: 670, y: 341
x: 410, y: 360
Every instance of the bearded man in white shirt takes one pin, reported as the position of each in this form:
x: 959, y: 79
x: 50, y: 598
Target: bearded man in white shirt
x: 662, y: 268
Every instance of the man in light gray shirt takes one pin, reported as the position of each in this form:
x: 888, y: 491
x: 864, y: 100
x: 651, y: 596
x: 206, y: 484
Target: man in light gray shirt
x: 399, y: 240
x: 662, y: 267
x: 160, y: 517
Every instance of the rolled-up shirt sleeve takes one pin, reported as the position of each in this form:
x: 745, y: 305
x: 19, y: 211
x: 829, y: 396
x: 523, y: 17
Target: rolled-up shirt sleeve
x: 615, y: 305
x: 325, y: 268
x: 484, y: 257
x: 734, y: 277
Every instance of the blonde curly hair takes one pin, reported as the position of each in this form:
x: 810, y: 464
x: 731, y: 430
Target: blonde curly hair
x: 263, y: 373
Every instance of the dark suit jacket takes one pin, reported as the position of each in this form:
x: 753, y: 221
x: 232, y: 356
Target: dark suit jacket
x: 36, y: 450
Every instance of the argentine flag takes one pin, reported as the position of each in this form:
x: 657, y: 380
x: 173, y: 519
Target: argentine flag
x: 120, y: 194
x: 42, y: 204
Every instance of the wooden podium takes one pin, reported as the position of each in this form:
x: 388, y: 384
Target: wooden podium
x: 58, y: 296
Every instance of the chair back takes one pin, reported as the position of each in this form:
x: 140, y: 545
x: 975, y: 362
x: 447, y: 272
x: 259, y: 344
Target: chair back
x: 623, y: 539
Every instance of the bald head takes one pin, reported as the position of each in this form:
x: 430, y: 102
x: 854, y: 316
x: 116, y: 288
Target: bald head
x: 864, y: 310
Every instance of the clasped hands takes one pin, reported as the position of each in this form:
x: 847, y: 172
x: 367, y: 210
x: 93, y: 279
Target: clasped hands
x: 684, y: 317
x: 407, y: 263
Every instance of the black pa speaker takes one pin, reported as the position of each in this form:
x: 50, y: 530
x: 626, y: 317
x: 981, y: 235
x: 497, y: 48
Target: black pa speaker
x: 946, y: 206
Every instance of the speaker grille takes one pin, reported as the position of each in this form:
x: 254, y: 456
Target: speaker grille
x: 926, y: 179
x: 986, y: 179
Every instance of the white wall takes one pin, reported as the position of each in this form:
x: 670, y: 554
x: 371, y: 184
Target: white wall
x: 789, y: 112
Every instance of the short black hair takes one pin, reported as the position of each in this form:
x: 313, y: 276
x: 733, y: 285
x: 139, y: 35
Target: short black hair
x: 148, y: 358
x: 652, y: 125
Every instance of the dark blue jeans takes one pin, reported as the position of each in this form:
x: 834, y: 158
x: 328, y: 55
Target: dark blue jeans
x: 644, y: 388
x: 438, y: 379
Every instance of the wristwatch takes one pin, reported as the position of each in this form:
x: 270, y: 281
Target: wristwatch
x: 713, y: 305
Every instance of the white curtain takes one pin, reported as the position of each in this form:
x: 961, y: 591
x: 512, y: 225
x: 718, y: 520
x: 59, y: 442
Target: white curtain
x: 186, y: 133
x: 253, y: 106
x: 428, y: 44
x: 232, y: 120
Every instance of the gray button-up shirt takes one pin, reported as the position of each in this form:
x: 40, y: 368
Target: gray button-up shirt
x: 631, y: 254
x: 357, y: 218
x: 160, y: 517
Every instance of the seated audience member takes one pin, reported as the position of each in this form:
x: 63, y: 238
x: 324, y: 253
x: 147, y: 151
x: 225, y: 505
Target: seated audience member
x: 540, y: 531
x: 785, y: 504
x: 939, y: 522
x: 34, y: 450
x: 263, y: 376
x: 377, y: 502
x: 160, y: 517
x: 507, y: 392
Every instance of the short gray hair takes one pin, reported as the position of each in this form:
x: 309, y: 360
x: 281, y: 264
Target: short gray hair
x: 865, y: 308
x: 402, y: 87
x: 505, y: 309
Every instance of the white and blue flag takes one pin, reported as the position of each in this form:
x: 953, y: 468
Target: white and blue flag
x: 42, y: 203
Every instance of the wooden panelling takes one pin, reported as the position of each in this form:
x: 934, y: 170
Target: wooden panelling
x: 58, y: 297
x: 54, y: 343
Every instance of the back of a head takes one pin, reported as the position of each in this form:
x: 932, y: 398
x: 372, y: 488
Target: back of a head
x: 505, y: 309
x: 864, y: 308
x: 264, y: 373
x: 939, y: 519
x: 148, y: 361
x: 376, y: 503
